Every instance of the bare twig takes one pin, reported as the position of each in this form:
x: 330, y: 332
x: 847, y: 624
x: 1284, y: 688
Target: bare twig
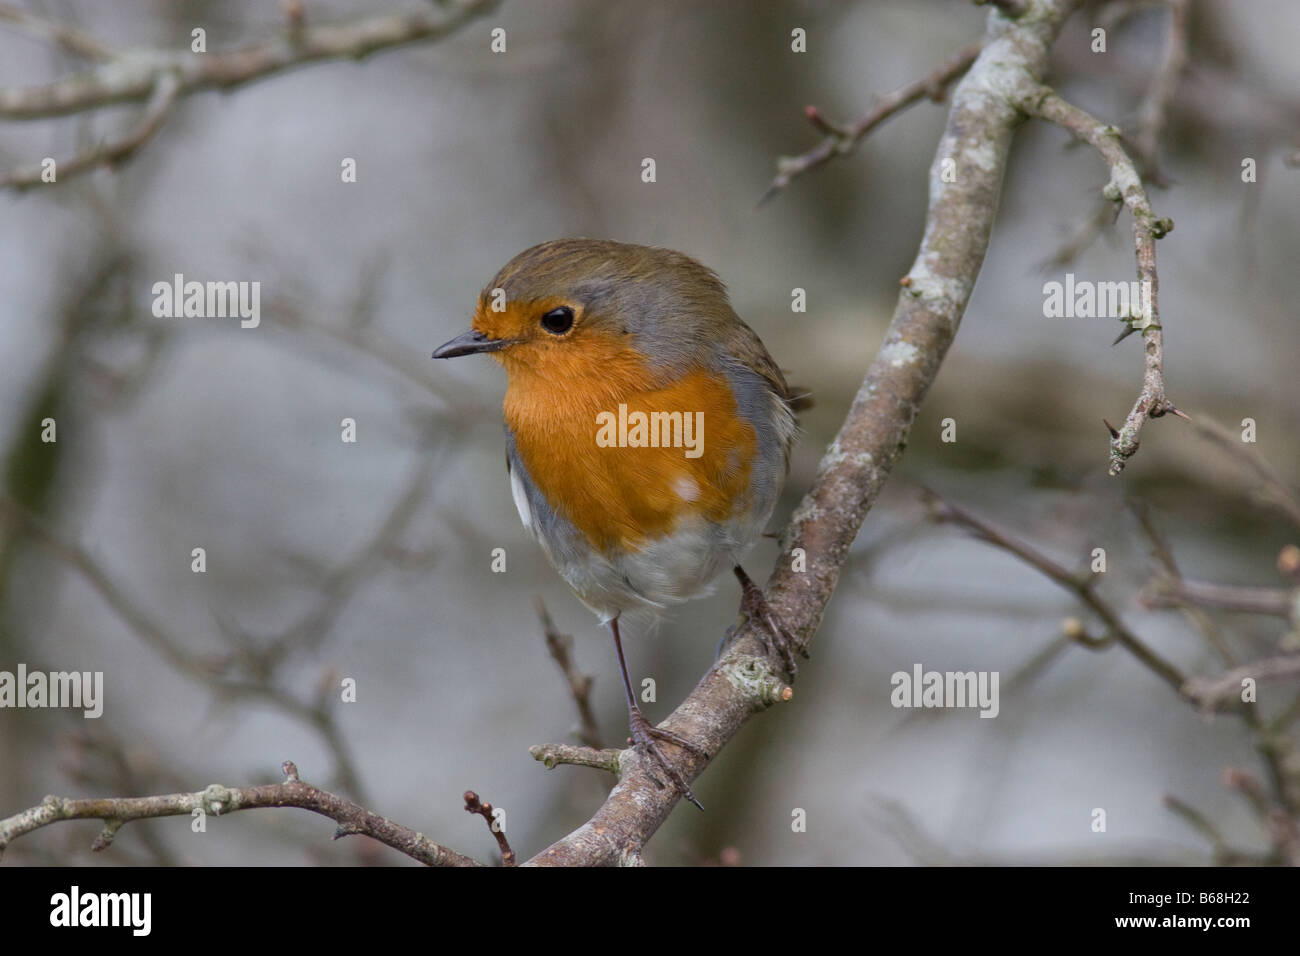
x: 162, y: 77
x: 842, y: 140
x: 111, y: 153
x: 1154, y: 112
x: 1125, y: 186
x: 1212, y: 693
x: 1165, y: 555
x: 1273, y: 489
x: 67, y: 38
x: 1083, y: 586
x: 1224, y: 855
x: 552, y: 755
x: 217, y: 800
x: 1083, y: 236
x: 198, y: 667
x: 474, y: 805
x: 561, y: 648
x: 1274, y: 602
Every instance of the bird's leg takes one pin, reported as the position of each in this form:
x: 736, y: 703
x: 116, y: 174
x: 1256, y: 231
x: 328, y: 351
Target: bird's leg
x: 772, y: 632
x: 644, y: 733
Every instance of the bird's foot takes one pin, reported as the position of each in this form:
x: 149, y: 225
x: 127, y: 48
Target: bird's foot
x: 770, y: 629
x: 645, y: 736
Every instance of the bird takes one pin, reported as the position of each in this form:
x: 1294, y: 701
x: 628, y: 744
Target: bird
x: 648, y: 434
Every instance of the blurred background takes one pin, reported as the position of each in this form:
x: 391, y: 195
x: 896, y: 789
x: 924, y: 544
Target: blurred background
x: 371, y: 560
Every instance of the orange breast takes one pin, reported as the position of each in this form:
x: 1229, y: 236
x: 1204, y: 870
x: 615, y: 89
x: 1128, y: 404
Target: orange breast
x: 620, y: 496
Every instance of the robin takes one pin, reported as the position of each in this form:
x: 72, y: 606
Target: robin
x: 648, y: 432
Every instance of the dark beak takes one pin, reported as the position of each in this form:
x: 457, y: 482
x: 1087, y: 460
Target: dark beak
x: 470, y: 343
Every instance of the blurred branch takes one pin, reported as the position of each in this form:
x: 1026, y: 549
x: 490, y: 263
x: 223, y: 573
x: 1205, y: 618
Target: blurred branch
x: 1165, y: 555
x: 217, y: 800
x: 1082, y: 585
x: 1273, y: 749
x: 69, y: 39
x: 110, y: 153
x: 1213, y: 692
x: 1085, y: 233
x: 1226, y: 597
x: 842, y: 140
x: 561, y: 648
x: 1224, y: 855
x: 1154, y: 112
x: 161, y: 78
x: 1125, y: 186
x: 1272, y: 489
x: 202, y: 668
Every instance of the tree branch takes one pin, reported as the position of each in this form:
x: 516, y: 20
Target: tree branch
x: 162, y: 77
x: 1154, y: 112
x: 217, y: 800
x: 561, y: 649
x: 1125, y: 186
x: 841, y: 141
x: 1082, y: 586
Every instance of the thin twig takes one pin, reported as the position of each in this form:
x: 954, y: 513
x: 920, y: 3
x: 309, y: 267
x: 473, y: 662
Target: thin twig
x: 1273, y: 602
x: 1212, y: 693
x: 68, y: 38
x: 111, y: 153
x: 1273, y: 489
x: 1165, y: 555
x: 1083, y: 587
x: 199, y: 667
x: 474, y: 805
x: 842, y: 140
x: 561, y: 648
x: 1154, y: 111
x: 162, y: 77
x: 552, y: 755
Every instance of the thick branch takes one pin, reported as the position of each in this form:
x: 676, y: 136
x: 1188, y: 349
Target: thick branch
x: 854, y: 469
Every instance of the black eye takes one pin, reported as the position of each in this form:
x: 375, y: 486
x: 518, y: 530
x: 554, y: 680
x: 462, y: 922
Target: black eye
x: 558, y: 321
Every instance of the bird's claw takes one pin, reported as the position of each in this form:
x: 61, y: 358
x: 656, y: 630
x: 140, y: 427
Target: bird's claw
x: 776, y: 639
x: 644, y: 736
